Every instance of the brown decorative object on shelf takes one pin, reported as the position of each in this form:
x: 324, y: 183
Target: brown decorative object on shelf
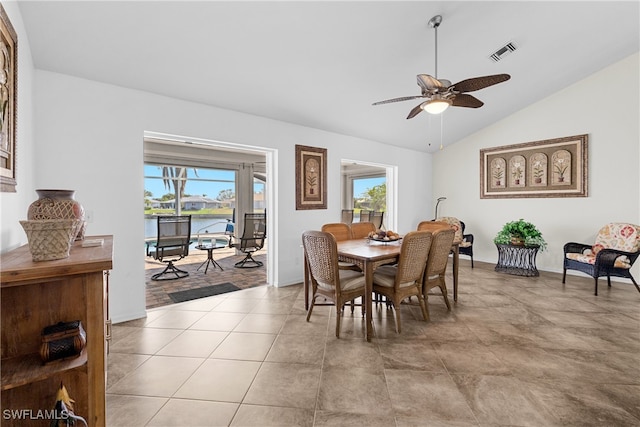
x: 8, y: 103
x: 549, y: 168
x: 50, y: 239
x: 57, y: 204
x: 64, y: 340
x: 311, y: 177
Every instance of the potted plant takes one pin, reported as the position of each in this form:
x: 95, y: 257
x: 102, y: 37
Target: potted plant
x: 520, y: 232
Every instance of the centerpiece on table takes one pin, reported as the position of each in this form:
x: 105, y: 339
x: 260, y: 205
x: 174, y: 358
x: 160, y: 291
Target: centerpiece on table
x: 520, y: 233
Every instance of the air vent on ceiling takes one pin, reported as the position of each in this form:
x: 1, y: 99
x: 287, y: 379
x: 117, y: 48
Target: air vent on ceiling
x: 502, y: 52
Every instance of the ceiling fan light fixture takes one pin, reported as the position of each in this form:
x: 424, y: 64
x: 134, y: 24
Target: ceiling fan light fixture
x: 436, y: 106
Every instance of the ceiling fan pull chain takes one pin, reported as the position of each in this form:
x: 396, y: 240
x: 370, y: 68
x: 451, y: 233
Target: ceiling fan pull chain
x: 441, y: 130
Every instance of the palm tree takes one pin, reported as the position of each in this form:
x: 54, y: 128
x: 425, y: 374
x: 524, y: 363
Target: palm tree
x: 176, y: 177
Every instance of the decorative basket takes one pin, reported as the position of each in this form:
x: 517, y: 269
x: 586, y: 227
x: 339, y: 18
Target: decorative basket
x: 51, y: 239
x: 64, y: 340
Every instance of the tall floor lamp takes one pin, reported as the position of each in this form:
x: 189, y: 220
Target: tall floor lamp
x: 438, y: 202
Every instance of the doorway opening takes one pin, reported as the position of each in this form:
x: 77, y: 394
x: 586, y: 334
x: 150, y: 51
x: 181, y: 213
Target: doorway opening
x: 216, y: 183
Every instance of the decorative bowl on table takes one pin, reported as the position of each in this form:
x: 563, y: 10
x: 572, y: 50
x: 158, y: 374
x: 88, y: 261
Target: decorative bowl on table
x: 384, y: 236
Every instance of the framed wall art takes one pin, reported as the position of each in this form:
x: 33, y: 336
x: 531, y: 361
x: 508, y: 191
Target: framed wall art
x: 8, y: 97
x: 548, y: 168
x: 311, y: 177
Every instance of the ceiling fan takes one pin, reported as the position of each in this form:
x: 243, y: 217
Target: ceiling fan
x: 440, y: 94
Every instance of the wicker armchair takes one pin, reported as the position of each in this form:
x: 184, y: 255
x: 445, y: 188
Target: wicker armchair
x: 616, y: 248
x: 327, y: 280
x: 397, y: 282
x: 340, y: 231
x: 437, y: 264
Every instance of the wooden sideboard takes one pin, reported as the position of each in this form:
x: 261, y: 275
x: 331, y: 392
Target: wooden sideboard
x: 39, y: 294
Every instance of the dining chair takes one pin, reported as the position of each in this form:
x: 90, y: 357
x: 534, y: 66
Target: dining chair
x: 466, y: 246
x: 360, y: 230
x: 404, y: 280
x: 437, y: 264
x: 340, y: 232
x: 365, y: 216
x: 327, y: 280
x: 377, y: 218
x: 347, y: 216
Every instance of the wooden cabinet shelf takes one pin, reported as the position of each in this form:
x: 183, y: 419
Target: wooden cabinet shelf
x: 28, y: 368
x: 39, y: 294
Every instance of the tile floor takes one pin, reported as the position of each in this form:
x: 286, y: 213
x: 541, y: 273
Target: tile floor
x: 513, y: 351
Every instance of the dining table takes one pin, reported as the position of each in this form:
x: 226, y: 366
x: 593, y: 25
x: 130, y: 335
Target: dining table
x: 367, y: 254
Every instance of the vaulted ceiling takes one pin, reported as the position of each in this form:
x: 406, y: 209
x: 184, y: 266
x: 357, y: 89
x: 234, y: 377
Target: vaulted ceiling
x: 322, y: 64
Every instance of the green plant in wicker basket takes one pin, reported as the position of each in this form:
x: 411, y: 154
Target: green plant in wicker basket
x: 523, y: 230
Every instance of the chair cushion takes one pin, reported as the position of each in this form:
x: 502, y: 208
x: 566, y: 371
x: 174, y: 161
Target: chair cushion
x: 455, y: 224
x: 386, y: 276
x: 465, y: 244
x: 350, y: 279
x: 621, y: 236
x: 589, y: 258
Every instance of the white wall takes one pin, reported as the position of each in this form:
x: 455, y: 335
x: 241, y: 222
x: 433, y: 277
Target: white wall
x: 606, y: 107
x: 13, y: 206
x: 95, y: 133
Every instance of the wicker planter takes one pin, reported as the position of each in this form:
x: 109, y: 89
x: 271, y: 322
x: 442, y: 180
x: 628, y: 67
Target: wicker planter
x: 51, y: 239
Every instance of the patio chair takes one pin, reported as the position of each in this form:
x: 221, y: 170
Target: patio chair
x: 377, y: 218
x: 172, y: 244
x: 252, y: 240
x: 365, y: 216
x: 616, y: 248
x: 327, y: 280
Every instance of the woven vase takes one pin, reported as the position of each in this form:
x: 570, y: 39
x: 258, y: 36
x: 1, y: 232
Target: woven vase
x: 50, y: 239
x: 57, y: 204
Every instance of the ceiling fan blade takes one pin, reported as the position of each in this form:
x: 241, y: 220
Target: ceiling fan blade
x: 464, y: 100
x: 403, y: 98
x: 415, y: 111
x: 477, y: 83
x: 427, y: 82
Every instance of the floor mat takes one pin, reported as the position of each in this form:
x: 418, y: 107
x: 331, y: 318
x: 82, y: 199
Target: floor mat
x: 206, y: 291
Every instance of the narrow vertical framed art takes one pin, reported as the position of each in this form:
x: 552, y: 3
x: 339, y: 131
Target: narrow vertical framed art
x: 311, y: 177
x: 8, y: 100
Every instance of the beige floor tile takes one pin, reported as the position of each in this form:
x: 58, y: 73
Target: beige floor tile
x: 158, y: 376
x: 307, y: 349
x: 285, y: 384
x: 297, y: 324
x: 220, y: 380
x: 194, y: 413
x: 215, y: 321
x: 342, y: 419
x: 121, y: 364
x: 236, y: 305
x: 414, y: 354
x: 144, y: 340
x: 193, y: 343
x: 260, y: 416
x: 261, y: 323
x: 177, y: 319
x: 244, y: 346
x: 430, y: 394
x: 132, y: 411
x: 354, y: 390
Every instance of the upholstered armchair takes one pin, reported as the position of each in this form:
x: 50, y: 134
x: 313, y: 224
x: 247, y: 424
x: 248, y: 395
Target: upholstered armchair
x: 616, y: 248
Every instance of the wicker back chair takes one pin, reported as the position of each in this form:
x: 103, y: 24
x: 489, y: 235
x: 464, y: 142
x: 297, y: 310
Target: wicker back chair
x: 327, y: 280
x: 347, y: 216
x: 360, y: 230
x: 403, y: 280
x: 437, y: 264
x: 432, y: 226
x: 339, y: 230
x: 616, y: 248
